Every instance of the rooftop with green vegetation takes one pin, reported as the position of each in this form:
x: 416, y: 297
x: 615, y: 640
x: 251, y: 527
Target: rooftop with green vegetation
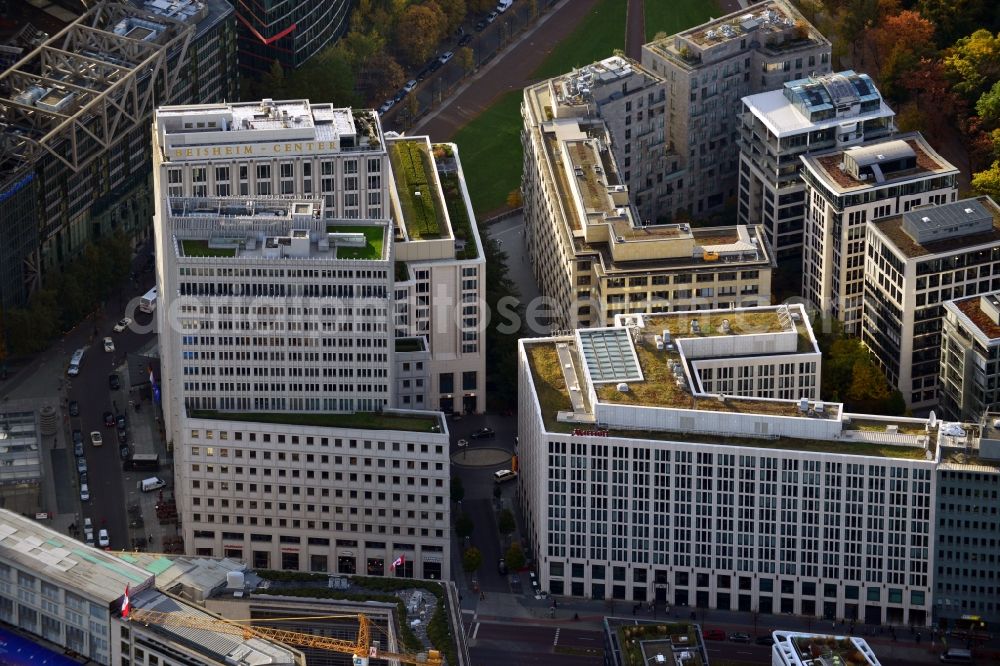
x: 458, y: 212
x: 821, y: 650
x: 374, y: 235
x: 641, y: 642
x: 200, y: 248
x: 741, y: 322
x: 359, y: 420
x: 419, y: 196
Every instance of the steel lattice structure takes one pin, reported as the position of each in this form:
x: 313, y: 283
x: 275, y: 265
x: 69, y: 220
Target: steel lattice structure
x: 116, y: 82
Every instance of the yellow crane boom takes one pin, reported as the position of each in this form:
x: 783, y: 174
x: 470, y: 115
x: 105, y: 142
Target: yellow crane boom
x: 361, y: 649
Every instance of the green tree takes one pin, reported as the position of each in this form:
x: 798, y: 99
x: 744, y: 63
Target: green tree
x: 273, y: 81
x: 328, y: 77
x: 457, y: 489
x: 973, y: 63
x: 506, y: 523
x: 988, y: 182
x: 454, y: 12
x: 988, y: 106
x: 419, y: 32
x: 472, y: 559
x: 466, y: 59
x: 464, y: 525
x: 514, y: 557
x: 505, y: 327
x: 954, y: 18
x: 868, y: 392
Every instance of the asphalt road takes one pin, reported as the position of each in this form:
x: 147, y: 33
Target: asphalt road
x: 91, y: 390
x: 495, y: 644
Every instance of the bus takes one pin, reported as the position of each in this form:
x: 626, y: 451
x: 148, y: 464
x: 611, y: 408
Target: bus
x: 149, y: 462
x: 74, y: 363
x: 148, y: 302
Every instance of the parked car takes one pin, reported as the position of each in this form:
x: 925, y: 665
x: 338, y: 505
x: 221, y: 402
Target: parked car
x: 739, y: 637
x: 122, y: 437
x: 502, y: 567
x: 83, y: 479
x: 410, y: 85
x: 462, y: 443
x: 96, y: 439
x: 122, y: 324
x: 714, y: 635
x: 481, y: 25
x: 81, y: 465
x: 124, y: 451
x: 88, y: 532
x: 492, y: 17
x: 422, y: 74
x: 78, y: 449
x: 109, y: 420
x: 103, y: 540
x: 502, y: 475
x: 465, y: 40
x: 435, y: 66
x: 120, y: 421
x: 84, y: 492
x: 483, y: 433
x: 766, y: 639
x: 504, y: 5
x: 399, y: 96
x: 114, y: 382
x: 446, y: 56
x: 74, y: 408
x: 109, y: 345
x: 77, y: 436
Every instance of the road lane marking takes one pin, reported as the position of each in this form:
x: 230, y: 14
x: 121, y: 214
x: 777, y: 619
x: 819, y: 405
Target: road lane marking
x: 555, y: 640
x: 475, y: 630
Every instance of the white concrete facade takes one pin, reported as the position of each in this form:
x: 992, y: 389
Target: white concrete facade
x: 970, y: 350
x: 906, y: 282
x: 838, y: 208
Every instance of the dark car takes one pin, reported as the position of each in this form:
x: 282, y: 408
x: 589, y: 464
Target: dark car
x: 120, y: 421
x: 122, y: 436
x: 766, y: 639
x: 714, y: 634
x: 483, y: 433
x: 481, y: 25
x: 78, y: 449
x: 114, y: 382
x: 739, y: 637
x: 109, y: 420
x: 84, y: 478
x: 77, y: 436
x: 502, y: 567
x: 435, y: 66
x: 465, y: 40
x: 124, y: 451
x: 74, y: 408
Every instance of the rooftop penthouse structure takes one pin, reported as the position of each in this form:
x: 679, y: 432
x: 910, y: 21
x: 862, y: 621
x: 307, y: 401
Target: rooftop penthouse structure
x: 708, y: 70
x: 591, y: 252
x: 803, y: 649
x: 74, y: 126
x: 614, y: 422
x: 970, y: 350
x: 848, y: 187
x: 632, y: 642
x: 914, y: 263
x: 817, y: 113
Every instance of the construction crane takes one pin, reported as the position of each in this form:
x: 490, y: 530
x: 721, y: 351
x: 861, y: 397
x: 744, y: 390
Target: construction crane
x: 361, y: 650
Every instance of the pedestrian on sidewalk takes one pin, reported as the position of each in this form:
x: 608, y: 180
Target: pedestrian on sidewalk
x: 482, y: 596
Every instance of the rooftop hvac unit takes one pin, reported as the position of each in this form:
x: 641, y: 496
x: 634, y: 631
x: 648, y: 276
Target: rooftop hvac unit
x: 695, y: 327
x: 234, y: 580
x: 803, y: 405
x: 819, y: 408
x: 622, y: 387
x: 725, y: 326
x: 666, y: 335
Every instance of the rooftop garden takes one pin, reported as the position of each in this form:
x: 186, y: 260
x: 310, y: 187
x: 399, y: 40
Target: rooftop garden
x: 200, y: 248
x: 458, y: 213
x: 740, y: 323
x: 549, y: 382
x: 422, y: 213
x: 360, y: 420
x: 882, y: 426
x: 374, y: 235
x: 830, y: 648
x: 681, y: 636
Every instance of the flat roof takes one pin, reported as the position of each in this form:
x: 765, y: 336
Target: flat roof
x: 71, y: 564
x: 826, y: 166
x: 782, y: 118
x: 421, y: 201
x: 609, y: 355
x: 387, y: 420
x: 892, y: 229
x: 970, y: 307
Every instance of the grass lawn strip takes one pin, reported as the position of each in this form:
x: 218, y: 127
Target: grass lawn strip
x: 598, y: 35
x: 200, y: 248
x: 492, y: 157
x: 374, y: 234
x: 412, y: 165
x: 673, y: 16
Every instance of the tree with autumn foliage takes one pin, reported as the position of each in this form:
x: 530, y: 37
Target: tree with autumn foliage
x: 419, y: 32
x: 899, y: 45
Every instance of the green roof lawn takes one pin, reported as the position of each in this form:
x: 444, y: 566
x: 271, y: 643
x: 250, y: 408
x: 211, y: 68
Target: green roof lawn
x: 411, y: 164
x: 200, y: 248
x: 361, y: 420
x: 373, y: 233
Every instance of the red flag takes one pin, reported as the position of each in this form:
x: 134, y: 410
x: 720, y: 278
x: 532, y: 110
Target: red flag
x: 399, y: 561
x: 125, y: 603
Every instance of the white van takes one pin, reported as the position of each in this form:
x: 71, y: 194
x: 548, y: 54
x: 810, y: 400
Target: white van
x: 74, y: 363
x: 504, y: 5
x: 151, y: 484
x: 504, y: 475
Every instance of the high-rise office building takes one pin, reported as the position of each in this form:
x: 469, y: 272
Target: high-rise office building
x: 639, y: 483
x: 592, y: 255
x: 818, y: 113
x: 287, y: 32
x: 845, y: 189
x: 970, y: 350
x: 307, y: 214
x: 74, y: 126
x: 914, y: 263
x: 708, y: 69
